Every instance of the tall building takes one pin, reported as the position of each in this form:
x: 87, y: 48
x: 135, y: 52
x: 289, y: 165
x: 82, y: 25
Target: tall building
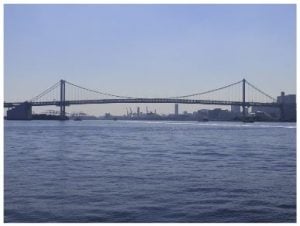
x: 288, y: 107
x: 286, y: 99
x: 138, y: 111
x: 176, y: 109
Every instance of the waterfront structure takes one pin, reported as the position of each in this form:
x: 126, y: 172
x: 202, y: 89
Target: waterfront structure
x: 235, y: 109
x: 288, y: 107
x: 272, y: 112
x: 22, y: 111
x: 202, y: 115
x: 220, y: 115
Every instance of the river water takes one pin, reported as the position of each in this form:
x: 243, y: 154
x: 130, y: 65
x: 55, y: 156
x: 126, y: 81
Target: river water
x: 144, y: 171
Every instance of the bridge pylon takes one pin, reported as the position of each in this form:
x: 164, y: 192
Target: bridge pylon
x: 244, y: 99
x: 62, y: 99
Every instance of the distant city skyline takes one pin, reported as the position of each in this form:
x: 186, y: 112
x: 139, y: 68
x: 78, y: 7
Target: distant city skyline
x: 148, y: 50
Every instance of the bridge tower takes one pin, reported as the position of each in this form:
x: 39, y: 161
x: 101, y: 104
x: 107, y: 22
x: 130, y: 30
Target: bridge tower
x: 62, y: 100
x: 244, y: 98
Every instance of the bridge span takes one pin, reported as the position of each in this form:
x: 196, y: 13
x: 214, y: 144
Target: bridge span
x: 245, y: 95
x: 143, y: 100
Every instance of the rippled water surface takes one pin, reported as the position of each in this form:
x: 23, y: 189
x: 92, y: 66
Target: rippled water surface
x: 126, y: 171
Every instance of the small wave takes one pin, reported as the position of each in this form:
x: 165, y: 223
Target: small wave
x: 287, y: 206
x: 216, y: 124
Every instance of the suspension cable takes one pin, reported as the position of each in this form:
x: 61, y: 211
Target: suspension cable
x: 176, y: 97
x: 209, y: 91
x: 261, y: 91
x: 118, y: 96
x: 95, y: 91
x: 45, y: 92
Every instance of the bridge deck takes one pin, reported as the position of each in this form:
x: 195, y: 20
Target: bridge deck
x: 143, y: 100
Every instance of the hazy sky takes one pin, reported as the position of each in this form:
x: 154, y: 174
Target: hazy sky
x: 148, y: 50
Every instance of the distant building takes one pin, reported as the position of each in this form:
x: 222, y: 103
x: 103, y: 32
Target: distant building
x: 107, y: 116
x: 20, y: 112
x: 236, y: 109
x: 286, y: 99
x: 138, y: 112
x: 219, y: 114
x: 273, y: 112
x: 288, y: 109
x: 201, y: 115
x: 176, y: 109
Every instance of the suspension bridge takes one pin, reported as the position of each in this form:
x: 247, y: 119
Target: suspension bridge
x: 64, y: 93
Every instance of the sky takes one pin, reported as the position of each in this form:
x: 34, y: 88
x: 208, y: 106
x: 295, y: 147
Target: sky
x: 148, y: 50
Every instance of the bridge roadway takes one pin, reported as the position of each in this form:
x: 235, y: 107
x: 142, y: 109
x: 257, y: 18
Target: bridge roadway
x: 143, y: 100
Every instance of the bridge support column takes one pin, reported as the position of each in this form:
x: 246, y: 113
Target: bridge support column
x: 62, y: 100
x: 244, y: 99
